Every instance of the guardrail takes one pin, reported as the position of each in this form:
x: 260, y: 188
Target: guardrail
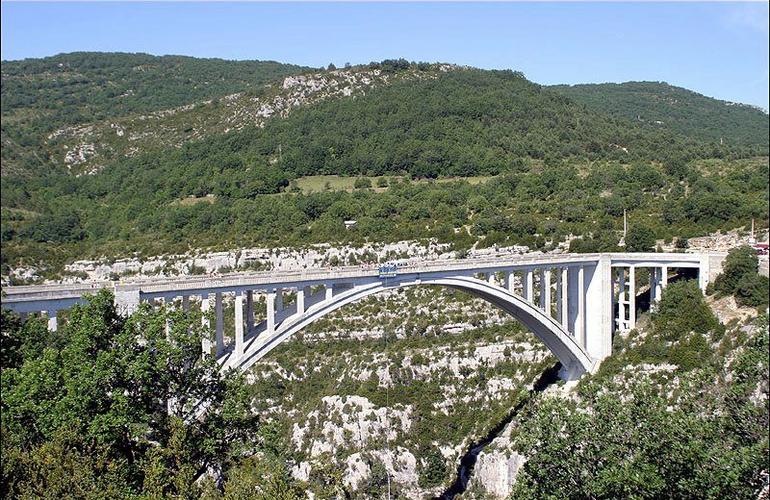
x: 31, y: 292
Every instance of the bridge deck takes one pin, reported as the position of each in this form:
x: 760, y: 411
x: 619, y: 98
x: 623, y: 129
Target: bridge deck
x: 192, y: 284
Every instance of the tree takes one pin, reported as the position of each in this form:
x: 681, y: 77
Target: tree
x: 633, y: 448
x: 260, y: 477
x: 739, y: 262
x: 133, y: 396
x: 363, y: 183
x: 682, y: 309
x: 58, y: 227
x: 434, y: 472
x: 752, y: 290
x: 640, y: 238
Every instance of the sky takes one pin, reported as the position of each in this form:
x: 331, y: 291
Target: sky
x: 716, y: 49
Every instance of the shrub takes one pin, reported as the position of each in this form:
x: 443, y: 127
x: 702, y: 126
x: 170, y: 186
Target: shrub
x: 640, y: 239
x: 363, y: 183
x: 435, y: 469
x: 740, y: 261
x: 752, y: 290
x: 683, y: 309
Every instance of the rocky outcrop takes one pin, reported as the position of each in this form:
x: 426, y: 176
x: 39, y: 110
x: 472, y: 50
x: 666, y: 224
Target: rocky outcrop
x: 84, y: 149
x: 254, y: 259
x: 495, y: 472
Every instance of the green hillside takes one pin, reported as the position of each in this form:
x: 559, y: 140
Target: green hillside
x: 659, y: 105
x: 42, y: 95
x: 557, y: 167
x: 464, y: 122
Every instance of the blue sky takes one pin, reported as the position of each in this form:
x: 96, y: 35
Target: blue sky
x: 717, y: 49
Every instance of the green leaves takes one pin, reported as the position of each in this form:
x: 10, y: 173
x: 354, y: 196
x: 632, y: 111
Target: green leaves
x: 110, y: 388
x: 740, y: 278
x: 682, y: 309
x: 635, y: 447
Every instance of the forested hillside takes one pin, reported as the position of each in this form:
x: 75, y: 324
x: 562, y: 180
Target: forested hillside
x: 222, y: 172
x: 123, y: 157
x: 41, y: 95
x: 465, y: 122
x: 659, y: 105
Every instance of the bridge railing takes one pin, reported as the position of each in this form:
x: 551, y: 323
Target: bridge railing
x: 258, y: 278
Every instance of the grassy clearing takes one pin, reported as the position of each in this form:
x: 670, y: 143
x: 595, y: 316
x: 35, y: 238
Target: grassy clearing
x: 319, y: 183
x: 721, y: 167
x: 194, y: 200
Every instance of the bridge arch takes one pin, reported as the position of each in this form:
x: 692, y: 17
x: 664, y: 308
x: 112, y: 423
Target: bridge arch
x: 574, y: 359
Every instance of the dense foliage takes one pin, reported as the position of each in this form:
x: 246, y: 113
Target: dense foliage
x: 561, y: 168
x: 740, y: 277
x: 111, y: 407
x: 41, y: 95
x: 122, y: 211
x: 658, y: 105
x: 696, y: 432
x: 668, y: 320
x: 463, y: 122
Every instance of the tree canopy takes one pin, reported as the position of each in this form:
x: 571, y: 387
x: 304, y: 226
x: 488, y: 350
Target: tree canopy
x: 116, y: 406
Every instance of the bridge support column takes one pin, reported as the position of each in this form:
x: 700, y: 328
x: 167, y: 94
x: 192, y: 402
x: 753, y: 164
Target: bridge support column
x: 329, y: 291
x: 511, y: 282
x: 270, y: 321
x: 127, y: 301
x: 53, y: 323
x: 249, y: 312
x: 238, y: 324
x: 206, y: 323
x: 166, y: 305
x: 528, y: 286
x: 572, y: 301
x: 620, y: 320
x: 545, y: 291
x: 597, y: 315
x: 185, y: 303
x: 219, y: 322
x: 703, y: 273
x: 300, y: 300
x: 491, y: 279
x: 279, y: 299
x: 661, y: 282
x: 631, y: 297
x: 580, y: 331
x: 576, y: 286
x: 654, y: 281
x: 561, y: 297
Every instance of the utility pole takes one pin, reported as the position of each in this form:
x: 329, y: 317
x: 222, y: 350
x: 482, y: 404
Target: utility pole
x: 622, y: 241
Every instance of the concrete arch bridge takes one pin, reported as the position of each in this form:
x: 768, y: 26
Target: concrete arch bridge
x: 572, y: 302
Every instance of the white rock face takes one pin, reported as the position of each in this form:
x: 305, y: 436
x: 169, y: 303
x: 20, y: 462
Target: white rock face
x: 350, y: 421
x: 301, y: 471
x: 264, y: 259
x: 401, y: 465
x: 79, y: 154
x: 242, y: 260
x: 495, y: 472
x: 356, y: 471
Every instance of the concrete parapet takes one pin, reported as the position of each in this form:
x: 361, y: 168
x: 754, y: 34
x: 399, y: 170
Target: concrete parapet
x: 127, y: 301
